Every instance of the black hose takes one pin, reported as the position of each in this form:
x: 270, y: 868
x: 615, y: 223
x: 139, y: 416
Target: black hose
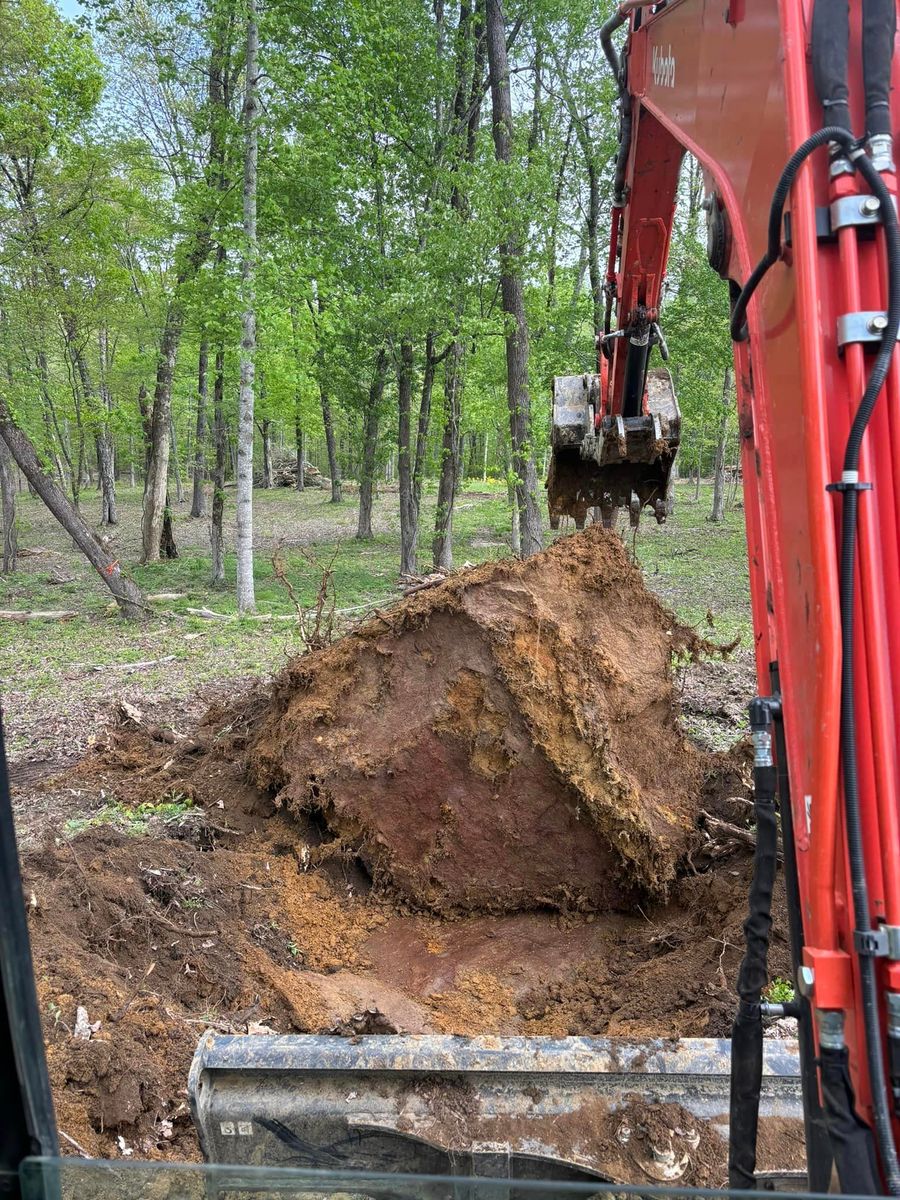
x: 851, y: 1139
x: 830, y: 39
x: 878, y: 32
x: 776, y: 216
x: 747, y: 1031
x: 616, y: 21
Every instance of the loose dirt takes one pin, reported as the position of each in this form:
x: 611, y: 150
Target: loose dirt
x: 475, y: 815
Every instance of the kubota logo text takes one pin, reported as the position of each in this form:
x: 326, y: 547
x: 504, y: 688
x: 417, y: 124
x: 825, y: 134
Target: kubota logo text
x: 663, y: 67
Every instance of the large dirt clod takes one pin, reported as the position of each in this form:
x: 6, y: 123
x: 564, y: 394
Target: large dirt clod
x: 504, y: 741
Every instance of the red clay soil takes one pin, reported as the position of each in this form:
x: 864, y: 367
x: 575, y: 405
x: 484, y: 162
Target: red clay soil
x: 504, y: 741
x: 277, y: 907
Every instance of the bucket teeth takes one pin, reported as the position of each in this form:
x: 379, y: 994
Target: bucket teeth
x: 614, y: 462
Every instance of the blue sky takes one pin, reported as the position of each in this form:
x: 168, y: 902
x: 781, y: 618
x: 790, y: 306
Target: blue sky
x: 69, y: 8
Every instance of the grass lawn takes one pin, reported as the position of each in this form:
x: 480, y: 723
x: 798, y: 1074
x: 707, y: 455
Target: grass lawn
x: 59, y: 679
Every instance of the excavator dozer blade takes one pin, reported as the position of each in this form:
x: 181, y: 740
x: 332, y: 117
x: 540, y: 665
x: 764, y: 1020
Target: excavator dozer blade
x: 618, y: 462
x: 490, y: 1107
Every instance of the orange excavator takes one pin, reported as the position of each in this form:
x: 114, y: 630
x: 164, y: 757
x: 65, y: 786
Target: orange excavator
x: 790, y: 107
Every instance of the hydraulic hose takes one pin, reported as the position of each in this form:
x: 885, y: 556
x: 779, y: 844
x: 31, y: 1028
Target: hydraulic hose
x: 850, y: 486
x: 609, y: 27
x: 747, y: 1031
x: 878, y: 32
x: 829, y: 44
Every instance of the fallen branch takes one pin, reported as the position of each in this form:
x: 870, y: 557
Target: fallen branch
x: 63, y: 614
x: 209, y: 614
x: 159, y: 597
x: 130, y: 667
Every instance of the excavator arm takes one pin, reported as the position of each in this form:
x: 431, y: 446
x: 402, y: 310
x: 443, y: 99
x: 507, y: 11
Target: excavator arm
x: 802, y: 225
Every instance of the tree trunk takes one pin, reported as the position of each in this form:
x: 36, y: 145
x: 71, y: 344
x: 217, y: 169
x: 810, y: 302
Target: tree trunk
x: 265, y: 431
x: 144, y: 410
x: 8, y: 531
x: 518, y: 398
x: 106, y: 464
x: 299, y: 442
x: 448, y: 481
x: 515, y: 539
x: 246, y: 594
x: 127, y: 594
x: 370, y: 448
x: 220, y: 438
x: 593, y: 245
x: 409, y: 513
x: 157, y: 477
x: 167, y: 547
x: 106, y: 471
x: 198, y: 498
x: 418, y: 469
x: 334, y: 467
x: 718, y: 506
x: 179, y: 487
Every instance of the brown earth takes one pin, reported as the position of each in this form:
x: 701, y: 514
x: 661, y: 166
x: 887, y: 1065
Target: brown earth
x: 507, y: 740
x: 276, y: 907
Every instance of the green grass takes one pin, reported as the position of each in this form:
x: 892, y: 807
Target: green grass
x: 698, y: 569
x: 136, y: 819
x: 779, y: 991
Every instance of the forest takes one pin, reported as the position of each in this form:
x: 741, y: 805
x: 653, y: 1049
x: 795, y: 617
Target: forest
x: 344, y: 244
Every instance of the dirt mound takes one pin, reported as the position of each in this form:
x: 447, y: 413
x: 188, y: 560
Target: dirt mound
x: 517, y: 708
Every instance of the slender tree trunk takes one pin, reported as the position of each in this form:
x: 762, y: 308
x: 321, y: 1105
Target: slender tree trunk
x: 265, y: 430
x: 106, y: 472
x: 106, y: 466
x: 593, y: 244
x: 718, y: 506
x: 220, y: 438
x: 127, y: 594
x: 299, y: 442
x: 515, y: 528
x: 448, y: 480
x: 424, y: 423
x: 132, y: 481
x: 179, y: 486
x: 334, y: 466
x: 167, y: 546
x: 246, y: 594
x: 409, y: 514
x: 8, y: 531
x: 157, y: 477
x: 370, y: 448
x: 518, y: 398
x: 144, y: 409
x: 198, y: 498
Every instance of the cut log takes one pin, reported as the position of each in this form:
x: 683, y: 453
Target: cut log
x: 62, y: 614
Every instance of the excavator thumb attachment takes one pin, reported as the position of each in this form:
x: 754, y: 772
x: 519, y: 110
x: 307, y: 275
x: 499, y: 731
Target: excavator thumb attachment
x: 486, y: 1107
x: 614, y: 462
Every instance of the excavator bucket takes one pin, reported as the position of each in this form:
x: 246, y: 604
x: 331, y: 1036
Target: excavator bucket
x: 512, y: 1108
x: 614, y: 462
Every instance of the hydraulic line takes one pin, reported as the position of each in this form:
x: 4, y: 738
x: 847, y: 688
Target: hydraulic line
x: 878, y: 31
x: 830, y: 40
x: 850, y: 486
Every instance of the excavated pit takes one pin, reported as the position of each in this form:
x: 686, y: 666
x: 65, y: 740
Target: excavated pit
x: 476, y: 814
